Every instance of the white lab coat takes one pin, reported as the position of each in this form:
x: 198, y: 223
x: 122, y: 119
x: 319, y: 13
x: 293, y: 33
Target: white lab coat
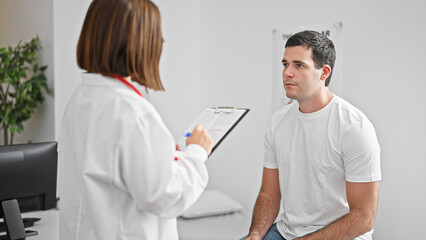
x: 120, y: 175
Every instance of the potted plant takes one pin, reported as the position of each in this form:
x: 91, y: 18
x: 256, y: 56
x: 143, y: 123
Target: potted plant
x: 22, y: 85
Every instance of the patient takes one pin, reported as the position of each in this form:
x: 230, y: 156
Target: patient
x: 322, y: 157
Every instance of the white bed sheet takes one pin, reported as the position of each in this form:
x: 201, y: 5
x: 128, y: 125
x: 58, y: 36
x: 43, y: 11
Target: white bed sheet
x: 221, y: 227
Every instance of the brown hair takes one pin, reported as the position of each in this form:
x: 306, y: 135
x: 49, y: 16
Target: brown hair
x: 122, y: 37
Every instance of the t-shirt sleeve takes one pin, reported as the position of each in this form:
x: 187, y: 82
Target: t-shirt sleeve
x: 361, y: 153
x: 270, y: 160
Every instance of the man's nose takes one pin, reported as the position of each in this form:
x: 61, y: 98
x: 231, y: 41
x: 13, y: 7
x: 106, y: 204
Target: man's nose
x: 287, y: 73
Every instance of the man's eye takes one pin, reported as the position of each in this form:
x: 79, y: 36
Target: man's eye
x: 285, y: 64
x: 299, y: 65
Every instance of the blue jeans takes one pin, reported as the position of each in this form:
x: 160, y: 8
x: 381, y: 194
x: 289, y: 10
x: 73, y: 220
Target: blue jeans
x: 272, y: 234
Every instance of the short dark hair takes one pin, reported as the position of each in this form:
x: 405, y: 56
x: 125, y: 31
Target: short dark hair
x: 124, y: 38
x: 323, y: 51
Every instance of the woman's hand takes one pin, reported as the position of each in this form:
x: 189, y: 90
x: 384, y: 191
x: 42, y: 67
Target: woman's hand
x: 201, y: 137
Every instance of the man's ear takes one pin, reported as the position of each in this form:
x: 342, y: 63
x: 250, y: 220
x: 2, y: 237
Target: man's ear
x: 326, y: 71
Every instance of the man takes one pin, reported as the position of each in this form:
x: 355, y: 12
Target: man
x: 322, y: 157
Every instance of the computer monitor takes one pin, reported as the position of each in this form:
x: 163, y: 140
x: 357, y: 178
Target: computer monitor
x: 28, y: 174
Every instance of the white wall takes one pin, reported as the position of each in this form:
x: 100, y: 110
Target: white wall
x: 198, y: 72
x: 68, y: 19
x: 220, y: 53
x: 179, y: 65
x: 23, y: 20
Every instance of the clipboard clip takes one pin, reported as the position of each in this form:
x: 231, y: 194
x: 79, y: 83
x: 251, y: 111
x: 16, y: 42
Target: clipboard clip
x: 224, y: 110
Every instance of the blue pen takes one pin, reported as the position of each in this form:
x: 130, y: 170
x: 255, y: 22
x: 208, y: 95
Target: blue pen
x: 187, y: 134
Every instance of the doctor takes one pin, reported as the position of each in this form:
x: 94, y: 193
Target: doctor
x: 121, y: 176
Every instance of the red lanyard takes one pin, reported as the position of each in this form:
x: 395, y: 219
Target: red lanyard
x: 128, y: 84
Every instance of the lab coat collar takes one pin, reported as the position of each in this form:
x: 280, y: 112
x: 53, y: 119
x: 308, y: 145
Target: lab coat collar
x: 96, y: 79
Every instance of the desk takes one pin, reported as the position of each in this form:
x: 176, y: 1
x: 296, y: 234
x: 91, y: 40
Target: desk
x: 47, y: 227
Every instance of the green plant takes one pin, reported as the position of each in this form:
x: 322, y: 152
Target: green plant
x: 22, y: 83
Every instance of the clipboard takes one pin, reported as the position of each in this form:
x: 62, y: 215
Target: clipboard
x: 218, y: 121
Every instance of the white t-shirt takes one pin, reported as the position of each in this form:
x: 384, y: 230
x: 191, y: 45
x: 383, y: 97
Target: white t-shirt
x: 316, y: 153
x: 120, y: 174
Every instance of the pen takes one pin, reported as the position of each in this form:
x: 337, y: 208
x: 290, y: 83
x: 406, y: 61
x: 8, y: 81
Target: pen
x: 187, y: 134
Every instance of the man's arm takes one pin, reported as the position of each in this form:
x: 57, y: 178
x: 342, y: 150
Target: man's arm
x: 362, y: 199
x: 267, y: 205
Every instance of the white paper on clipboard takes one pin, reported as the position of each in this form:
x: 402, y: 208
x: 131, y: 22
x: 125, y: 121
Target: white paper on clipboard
x: 218, y: 122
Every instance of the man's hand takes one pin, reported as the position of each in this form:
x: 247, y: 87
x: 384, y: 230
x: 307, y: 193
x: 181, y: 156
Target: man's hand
x: 254, y: 236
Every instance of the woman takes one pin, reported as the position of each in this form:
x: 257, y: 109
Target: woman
x: 121, y: 176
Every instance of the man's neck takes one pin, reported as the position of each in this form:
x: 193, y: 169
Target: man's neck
x: 317, y: 102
